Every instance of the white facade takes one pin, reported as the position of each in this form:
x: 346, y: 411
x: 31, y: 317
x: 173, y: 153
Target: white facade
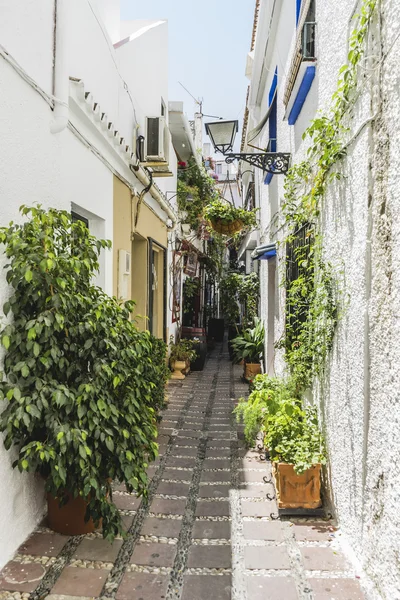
x: 72, y: 169
x: 359, y: 397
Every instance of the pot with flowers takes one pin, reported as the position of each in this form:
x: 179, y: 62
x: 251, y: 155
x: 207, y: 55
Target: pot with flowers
x: 226, y: 219
x: 182, y: 354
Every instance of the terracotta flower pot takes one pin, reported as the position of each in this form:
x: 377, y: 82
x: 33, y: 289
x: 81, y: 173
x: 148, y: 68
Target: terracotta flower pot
x: 70, y: 518
x: 251, y: 370
x: 297, y: 491
x: 178, y: 366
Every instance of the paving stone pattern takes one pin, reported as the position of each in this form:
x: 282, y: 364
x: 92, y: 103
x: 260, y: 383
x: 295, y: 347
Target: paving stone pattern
x: 204, y: 533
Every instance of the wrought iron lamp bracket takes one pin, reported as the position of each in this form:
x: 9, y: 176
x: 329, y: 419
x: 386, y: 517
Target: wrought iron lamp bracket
x: 270, y: 162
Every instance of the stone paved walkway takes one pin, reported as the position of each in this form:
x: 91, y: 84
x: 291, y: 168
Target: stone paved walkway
x: 205, y: 532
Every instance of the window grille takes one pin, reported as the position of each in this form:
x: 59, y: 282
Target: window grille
x: 297, y: 264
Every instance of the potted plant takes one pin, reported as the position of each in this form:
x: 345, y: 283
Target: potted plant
x: 250, y: 347
x: 268, y: 396
x: 181, y: 355
x: 291, y: 436
x: 82, y: 385
x: 297, y: 449
x: 226, y: 219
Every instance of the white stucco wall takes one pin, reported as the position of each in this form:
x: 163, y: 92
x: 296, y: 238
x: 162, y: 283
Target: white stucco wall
x: 359, y: 399
x: 59, y: 170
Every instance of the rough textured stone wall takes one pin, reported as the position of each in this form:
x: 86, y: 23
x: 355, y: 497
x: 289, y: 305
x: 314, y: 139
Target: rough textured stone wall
x: 359, y: 395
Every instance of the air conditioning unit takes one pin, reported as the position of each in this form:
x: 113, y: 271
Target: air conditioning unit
x: 251, y: 265
x: 156, y: 140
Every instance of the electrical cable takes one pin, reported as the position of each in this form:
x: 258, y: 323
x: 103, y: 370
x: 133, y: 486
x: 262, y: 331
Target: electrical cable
x: 49, y: 98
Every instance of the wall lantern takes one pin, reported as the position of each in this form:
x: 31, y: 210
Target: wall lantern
x: 222, y: 135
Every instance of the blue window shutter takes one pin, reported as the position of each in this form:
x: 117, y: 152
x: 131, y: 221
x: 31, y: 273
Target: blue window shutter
x: 302, y: 94
x: 273, y: 87
x: 298, y: 8
x: 272, y: 122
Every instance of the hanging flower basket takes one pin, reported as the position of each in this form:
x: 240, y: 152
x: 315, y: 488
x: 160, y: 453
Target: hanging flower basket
x: 227, y: 219
x: 227, y: 228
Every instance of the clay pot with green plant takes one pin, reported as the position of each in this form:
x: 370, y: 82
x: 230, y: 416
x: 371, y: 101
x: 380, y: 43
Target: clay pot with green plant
x: 249, y: 347
x: 292, y: 437
x: 82, y: 385
x: 297, y: 449
x: 182, y: 353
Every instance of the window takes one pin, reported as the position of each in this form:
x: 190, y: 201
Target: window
x: 308, y: 34
x: 304, y: 52
x: 76, y: 217
x: 218, y: 168
x: 297, y: 301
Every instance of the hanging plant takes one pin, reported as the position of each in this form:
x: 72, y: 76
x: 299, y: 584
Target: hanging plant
x: 226, y: 219
x: 195, y: 190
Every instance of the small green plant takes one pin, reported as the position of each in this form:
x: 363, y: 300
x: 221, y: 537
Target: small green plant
x: 182, y: 350
x: 295, y: 438
x: 221, y: 210
x: 290, y: 433
x: 82, y: 385
x: 250, y: 345
x: 268, y: 395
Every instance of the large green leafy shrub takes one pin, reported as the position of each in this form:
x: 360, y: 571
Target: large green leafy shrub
x: 82, y: 384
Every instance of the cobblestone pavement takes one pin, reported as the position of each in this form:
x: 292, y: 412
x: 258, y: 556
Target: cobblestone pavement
x: 205, y: 531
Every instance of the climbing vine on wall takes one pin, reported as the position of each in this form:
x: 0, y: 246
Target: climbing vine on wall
x: 312, y: 306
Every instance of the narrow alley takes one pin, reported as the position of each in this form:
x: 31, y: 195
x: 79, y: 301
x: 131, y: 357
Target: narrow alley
x: 205, y: 532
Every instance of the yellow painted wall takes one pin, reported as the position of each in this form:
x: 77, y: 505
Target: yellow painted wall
x: 121, y: 227
x: 149, y: 225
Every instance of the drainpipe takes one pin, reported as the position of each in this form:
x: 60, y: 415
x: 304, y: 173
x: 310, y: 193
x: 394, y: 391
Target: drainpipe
x: 154, y: 192
x: 61, y: 79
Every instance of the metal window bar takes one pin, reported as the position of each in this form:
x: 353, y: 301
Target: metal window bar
x: 250, y: 201
x: 297, y: 254
x: 308, y: 41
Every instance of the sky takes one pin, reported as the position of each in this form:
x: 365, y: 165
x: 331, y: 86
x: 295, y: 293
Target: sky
x: 208, y: 46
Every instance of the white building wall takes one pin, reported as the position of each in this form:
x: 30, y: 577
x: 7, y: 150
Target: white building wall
x: 60, y: 170
x: 358, y: 400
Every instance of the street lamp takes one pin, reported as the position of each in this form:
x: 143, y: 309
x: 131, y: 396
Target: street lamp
x: 222, y: 135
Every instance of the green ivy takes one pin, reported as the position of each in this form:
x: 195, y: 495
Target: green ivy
x: 82, y: 385
x: 312, y: 296
x: 195, y: 190
x: 234, y: 288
